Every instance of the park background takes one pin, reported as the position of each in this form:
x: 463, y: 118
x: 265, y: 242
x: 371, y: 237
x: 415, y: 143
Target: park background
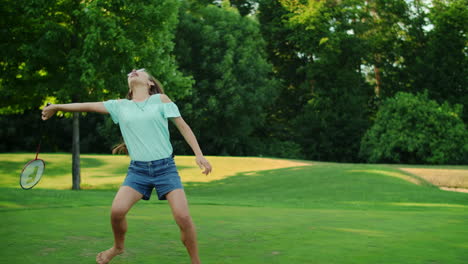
x: 330, y: 124
x: 293, y: 79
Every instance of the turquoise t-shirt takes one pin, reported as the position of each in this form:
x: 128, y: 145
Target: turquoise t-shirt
x: 144, y: 126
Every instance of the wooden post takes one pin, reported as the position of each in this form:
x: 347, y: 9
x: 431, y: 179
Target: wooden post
x: 76, y: 178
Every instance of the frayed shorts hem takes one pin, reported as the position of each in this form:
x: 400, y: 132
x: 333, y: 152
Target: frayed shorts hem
x: 161, y: 196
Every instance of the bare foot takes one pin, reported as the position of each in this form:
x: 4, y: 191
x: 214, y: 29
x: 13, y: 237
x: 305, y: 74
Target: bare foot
x: 105, y: 256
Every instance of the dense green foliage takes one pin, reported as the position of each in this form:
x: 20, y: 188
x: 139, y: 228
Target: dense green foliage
x: 331, y: 123
x: 300, y: 79
x: 98, y: 134
x: 234, y: 83
x: 436, y: 61
x: 413, y: 129
x: 331, y: 53
x: 81, y: 51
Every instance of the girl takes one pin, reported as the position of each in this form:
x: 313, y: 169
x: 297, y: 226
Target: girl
x: 142, y: 118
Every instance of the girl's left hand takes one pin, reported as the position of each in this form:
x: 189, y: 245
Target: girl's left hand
x: 203, y: 164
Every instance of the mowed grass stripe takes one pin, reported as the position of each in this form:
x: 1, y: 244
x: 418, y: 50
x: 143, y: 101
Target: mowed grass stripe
x: 316, y: 213
x: 231, y: 234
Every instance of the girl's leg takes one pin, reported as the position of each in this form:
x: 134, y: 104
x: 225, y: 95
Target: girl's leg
x: 179, y: 206
x: 125, y: 198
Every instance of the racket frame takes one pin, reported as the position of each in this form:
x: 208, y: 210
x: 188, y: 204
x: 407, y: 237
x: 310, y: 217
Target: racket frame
x: 25, y: 166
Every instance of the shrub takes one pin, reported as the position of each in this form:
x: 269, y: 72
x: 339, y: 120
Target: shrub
x: 414, y: 129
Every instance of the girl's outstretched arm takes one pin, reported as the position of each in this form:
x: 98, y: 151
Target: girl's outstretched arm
x: 50, y: 110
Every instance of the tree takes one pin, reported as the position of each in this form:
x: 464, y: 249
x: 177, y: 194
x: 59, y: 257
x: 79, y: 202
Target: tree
x: 381, y: 25
x: 329, y: 53
x: 422, y: 46
x: 75, y: 51
x: 319, y: 56
x: 224, y: 52
x: 288, y: 64
x: 446, y: 56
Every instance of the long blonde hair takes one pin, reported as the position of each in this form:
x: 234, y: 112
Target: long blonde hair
x: 157, y: 88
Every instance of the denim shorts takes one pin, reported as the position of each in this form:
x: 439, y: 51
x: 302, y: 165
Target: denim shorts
x: 161, y: 174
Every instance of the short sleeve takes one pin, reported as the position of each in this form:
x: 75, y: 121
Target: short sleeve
x: 112, y: 107
x: 170, y: 110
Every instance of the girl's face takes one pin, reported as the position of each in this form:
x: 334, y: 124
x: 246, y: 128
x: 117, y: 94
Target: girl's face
x: 138, y: 77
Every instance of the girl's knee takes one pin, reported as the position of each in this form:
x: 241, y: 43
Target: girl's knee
x: 118, y: 213
x: 184, y: 221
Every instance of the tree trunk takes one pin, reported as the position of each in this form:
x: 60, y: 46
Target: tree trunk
x: 377, y: 57
x: 76, y: 179
x: 378, y: 77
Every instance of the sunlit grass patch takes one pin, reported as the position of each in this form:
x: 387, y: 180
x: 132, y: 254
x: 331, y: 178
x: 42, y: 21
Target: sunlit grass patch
x: 224, y: 167
x: 441, y: 177
x: 109, y: 171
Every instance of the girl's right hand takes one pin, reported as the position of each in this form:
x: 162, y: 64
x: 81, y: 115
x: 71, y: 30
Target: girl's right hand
x: 48, y: 112
x: 203, y: 164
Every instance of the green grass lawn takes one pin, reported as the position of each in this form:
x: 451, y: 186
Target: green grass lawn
x: 310, y: 213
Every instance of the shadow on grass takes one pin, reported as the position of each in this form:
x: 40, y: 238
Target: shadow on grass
x: 12, y: 169
x: 6, y: 167
x: 19, y: 199
x: 91, y: 162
